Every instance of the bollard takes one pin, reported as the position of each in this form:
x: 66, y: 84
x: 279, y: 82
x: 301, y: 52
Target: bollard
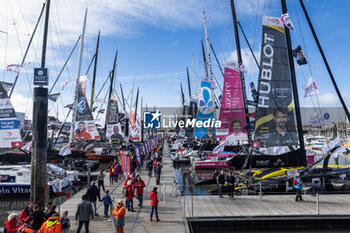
x: 260, y: 191
x: 318, y: 203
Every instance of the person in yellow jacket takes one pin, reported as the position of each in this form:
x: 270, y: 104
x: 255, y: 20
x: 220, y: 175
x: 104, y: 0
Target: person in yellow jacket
x: 52, y: 225
x: 119, y: 213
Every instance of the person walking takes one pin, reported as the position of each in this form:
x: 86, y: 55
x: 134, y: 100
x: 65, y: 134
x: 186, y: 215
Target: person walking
x: 38, y: 218
x: 107, y: 201
x: 52, y: 225
x: 231, y: 185
x: 154, y: 203
x: 158, y: 172
x: 297, y: 184
x: 11, y: 225
x: 65, y: 222
x: 100, y: 181
x: 111, y: 174
x: 149, y: 167
x: 129, y: 197
x: 26, y: 213
x: 119, y: 213
x: 139, y: 185
x: 84, y: 213
x: 221, y: 182
x: 92, y: 195
x: 27, y: 225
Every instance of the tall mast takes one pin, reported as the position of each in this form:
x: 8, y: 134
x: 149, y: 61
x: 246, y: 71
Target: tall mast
x: 132, y: 93
x: 77, y: 78
x: 137, y: 100
x: 325, y: 61
x: 194, y: 76
x: 94, y: 75
x: 207, y: 45
x: 189, y: 84
x: 205, y: 61
x: 121, y: 90
x: 111, y: 88
x: 240, y: 62
x: 294, y: 81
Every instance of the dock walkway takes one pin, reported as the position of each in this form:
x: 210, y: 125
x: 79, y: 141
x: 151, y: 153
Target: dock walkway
x: 169, y: 209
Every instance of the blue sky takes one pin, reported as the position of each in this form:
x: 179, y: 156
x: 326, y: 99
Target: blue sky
x: 157, y: 38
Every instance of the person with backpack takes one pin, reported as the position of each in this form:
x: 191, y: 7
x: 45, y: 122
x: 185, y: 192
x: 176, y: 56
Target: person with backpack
x: 26, y: 213
x: 297, y: 184
x: 65, y: 222
x: 11, y: 225
x: 149, y: 167
x: 100, y: 181
x: 129, y: 194
x: 107, y: 201
x: 154, y: 203
x: 92, y: 195
x: 139, y: 185
x: 27, y: 225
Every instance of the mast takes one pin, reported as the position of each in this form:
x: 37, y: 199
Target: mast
x: 205, y: 61
x: 142, y: 127
x: 121, y: 90
x: 94, y: 75
x: 325, y: 60
x: 137, y: 100
x: 207, y: 45
x: 194, y: 76
x: 240, y: 62
x: 294, y: 81
x: 111, y: 88
x: 77, y: 78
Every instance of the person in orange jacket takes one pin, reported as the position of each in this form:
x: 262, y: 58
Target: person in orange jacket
x: 52, y: 225
x: 80, y: 133
x: 119, y: 213
x: 27, y: 225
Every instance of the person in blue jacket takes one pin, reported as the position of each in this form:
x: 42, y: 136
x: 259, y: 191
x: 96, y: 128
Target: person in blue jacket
x: 107, y: 201
x: 297, y: 184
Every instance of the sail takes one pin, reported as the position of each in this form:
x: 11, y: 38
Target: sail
x: 10, y: 136
x: 84, y: 128
x: 232, y: 108
x: 275, y: 123
x: 112, y: 119
x: 206, y: 109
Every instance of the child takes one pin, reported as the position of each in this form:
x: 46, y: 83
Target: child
x: 107, y: 200
x: 65, y: 222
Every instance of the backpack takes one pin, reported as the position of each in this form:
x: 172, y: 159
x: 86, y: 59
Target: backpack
x: 295, y: 181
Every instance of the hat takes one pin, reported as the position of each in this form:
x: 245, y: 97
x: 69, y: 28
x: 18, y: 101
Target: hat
x: 155, y: 188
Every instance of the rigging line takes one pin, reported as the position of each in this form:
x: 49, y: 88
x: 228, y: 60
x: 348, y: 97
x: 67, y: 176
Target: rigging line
x: 30, y: 41
x: 92, y: 60
x: 217, y: 61
x: 108, y: 78
x: 6, y: 41
x: 102, y: 105
x: 250, y: 48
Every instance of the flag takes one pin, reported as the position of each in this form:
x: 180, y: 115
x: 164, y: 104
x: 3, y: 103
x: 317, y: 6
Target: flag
x: 213, y: 85
x: 254, y: 92
x: 310, y: 88
x: 251, y: 114
x: 299, y: 56
x: 54, y: 97
x: 101, y: 111
x: 65, y: 84
x: 320, y: 118
x: 219, y: 148
x: 27, y: 146
x: 15, y: 68
x: 66, y: 150
x: 336, y: 143
x: 287, y: 21
x: 7, y: 86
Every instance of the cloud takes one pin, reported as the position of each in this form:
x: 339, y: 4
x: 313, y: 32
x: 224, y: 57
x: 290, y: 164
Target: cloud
x: 22, y: 104
x: 327, y: 99
x: 247, y: 57
x: 152, y: 76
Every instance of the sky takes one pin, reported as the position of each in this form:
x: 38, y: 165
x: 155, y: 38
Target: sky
x: 156, y: 40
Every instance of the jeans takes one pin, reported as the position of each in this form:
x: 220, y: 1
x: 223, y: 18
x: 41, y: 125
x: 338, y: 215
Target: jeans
x: 106, y: 209
x: 111, y: 177
x: 149, y: 173
x: 140, y: 199
x: 154, y: 208
x: 298, y: 197
x: 129, y: 204
x: 101, y: 183
x: 95, y: 208
x: 221, y: 187
x: 81, y: 225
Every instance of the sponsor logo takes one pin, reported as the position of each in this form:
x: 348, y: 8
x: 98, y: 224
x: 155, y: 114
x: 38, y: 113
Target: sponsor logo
x: 152, y: 120
x: 81, y: 105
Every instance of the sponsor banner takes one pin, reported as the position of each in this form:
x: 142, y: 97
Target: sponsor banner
x: 85, y: 130
x: 113, y: 131
x: 7, y: 86
x: 320, y: 118
x: 232, y: 108
x: 275, y: 124
x: 310, y: 88
x: 7, y: 113
x: 137, y: 151
x: 206, y: 109
x: 125, y: 163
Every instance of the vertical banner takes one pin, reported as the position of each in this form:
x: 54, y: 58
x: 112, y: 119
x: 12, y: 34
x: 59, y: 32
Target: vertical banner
x: 275, y: 123
x: 137, y: 153
x: 114, y: 131
x: 125, y: 163
x: 206, y: 109
x: 232, y: 107
x: 85, y: 128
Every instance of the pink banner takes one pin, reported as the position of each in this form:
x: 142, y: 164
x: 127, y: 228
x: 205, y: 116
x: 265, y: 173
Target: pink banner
x: 232, y: 109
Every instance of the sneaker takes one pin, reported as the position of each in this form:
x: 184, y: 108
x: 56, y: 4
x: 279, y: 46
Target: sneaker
x: 158, y: 219
x: 150, y: 219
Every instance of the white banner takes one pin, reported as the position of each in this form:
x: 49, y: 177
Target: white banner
x: 310, y: 88
x: 320, y: 118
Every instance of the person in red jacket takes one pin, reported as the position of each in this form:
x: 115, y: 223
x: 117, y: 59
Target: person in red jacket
x: 154, y: 203
x: 11, y: 225
x: 80, y: 133
x: 139, y: 185
x: 126, y: 181
x: 26, y: 212
x: 129, y: 197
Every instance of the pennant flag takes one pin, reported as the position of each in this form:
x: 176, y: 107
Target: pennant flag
x: 101, y: 111
x: 194, y: 99
x: 66, y: 150
x: 54, y: 97
x: 220, y: 147
x: 15, y: 68
x: 310, y: 88
x: 254, y: 92
x: 6, y: 86
x: 250, y: 125
x: 299, y: 56
x: 65, y: 84
x: 287, y: 21
x: 27, y: 146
